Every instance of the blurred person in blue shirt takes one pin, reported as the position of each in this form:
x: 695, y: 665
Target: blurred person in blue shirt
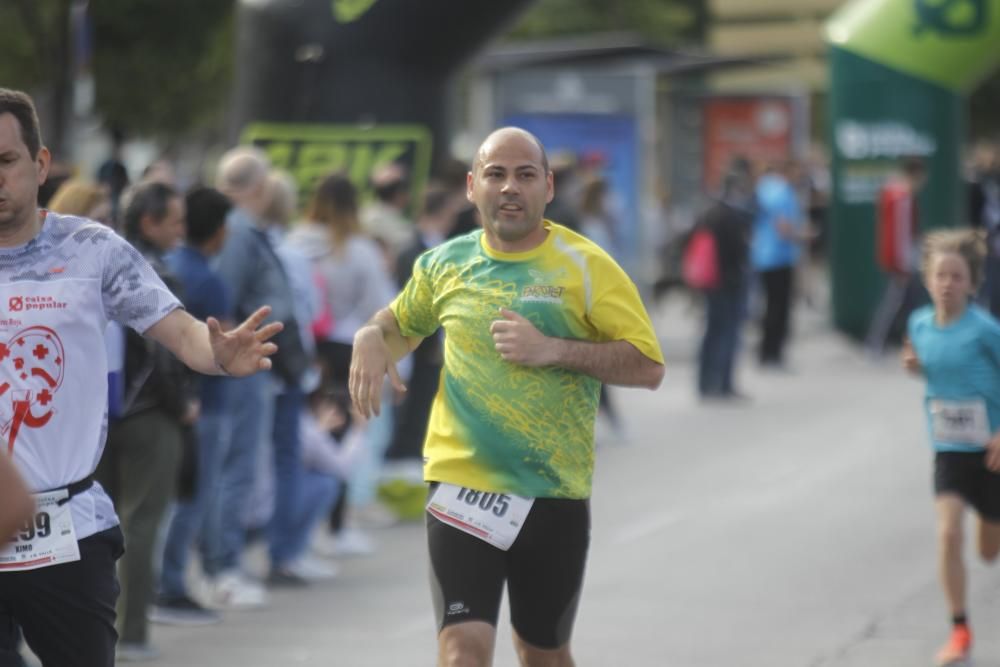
x: 205, y: 296
x: 778, y: 232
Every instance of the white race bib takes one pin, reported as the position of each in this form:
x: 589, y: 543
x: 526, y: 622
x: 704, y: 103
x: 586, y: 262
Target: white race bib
x: 47, y: 539
x: 960, y: 421
x: 496, y: 518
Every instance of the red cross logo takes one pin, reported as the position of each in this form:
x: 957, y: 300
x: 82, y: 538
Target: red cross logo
x: 30, y: 380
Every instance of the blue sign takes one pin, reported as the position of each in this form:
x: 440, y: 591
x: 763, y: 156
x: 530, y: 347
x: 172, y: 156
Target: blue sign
x: 607, y: 145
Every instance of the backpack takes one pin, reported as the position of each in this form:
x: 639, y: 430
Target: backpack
x: 700, y: 261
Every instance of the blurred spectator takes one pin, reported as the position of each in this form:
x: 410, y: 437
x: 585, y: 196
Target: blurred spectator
x: 84, y: 198
x: 204, y: 295
x: 984, y: 185
x: 730, y: 221
x: 289, y: 564
x: 349, y: 262
x: 333, y: 441
x: 800, y: 179
x: 817, y: 174
x: 113, y: 174
x: 779, y: 230
x: 984, y: 213
x: 254, y: 276
x: 562, y: 208
x: 454, y: 177
x: 596, y: 221
x: 356, y: 285
x: 384, y: 218
x: 139, y: 467
x: 897, y: 251
x: 410, y: 426
x: 160, y: 171
x: 59, y: 173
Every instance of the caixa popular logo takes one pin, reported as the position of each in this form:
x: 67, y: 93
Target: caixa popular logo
x: 15, y: 304
x: 951, y: 18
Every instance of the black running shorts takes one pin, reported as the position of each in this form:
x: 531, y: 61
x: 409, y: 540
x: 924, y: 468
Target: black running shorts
x: 67, y: 611
x: 965, y: 474
x: 543, y: 571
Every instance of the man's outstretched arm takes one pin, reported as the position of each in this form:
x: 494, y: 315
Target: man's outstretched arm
x: 204, y: 347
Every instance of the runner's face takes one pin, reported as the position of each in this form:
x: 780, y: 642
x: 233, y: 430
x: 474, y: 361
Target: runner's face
x: 510, y: 187
x: 949, y: 281
x: 20, y: 176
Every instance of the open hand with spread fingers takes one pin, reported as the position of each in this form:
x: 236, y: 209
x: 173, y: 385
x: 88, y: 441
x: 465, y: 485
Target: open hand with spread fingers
x: 244, y: 350
x: 520, y: 342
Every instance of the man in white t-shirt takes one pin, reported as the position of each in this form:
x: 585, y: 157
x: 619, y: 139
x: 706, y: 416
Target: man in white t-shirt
x: 62, y: 279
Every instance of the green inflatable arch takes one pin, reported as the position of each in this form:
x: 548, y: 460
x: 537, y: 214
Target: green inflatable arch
x: 899, y: 74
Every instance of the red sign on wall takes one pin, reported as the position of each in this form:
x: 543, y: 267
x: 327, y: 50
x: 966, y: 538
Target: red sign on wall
x: 757, y: 128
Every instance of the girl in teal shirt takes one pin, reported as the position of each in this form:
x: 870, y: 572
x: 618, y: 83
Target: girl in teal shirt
x: 955, y: 346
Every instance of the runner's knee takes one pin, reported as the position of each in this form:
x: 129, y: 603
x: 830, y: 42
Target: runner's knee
x: 459, y: 651
x: 531, y: 656
x: 989, y: 544
x: 950, y: 537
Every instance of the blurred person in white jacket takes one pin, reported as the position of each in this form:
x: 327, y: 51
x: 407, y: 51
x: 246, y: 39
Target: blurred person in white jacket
x: 355, y: 281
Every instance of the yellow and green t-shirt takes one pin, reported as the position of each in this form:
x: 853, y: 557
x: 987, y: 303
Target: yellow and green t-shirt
x: 496, y: 426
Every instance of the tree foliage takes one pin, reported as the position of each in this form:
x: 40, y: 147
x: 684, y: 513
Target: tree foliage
x: 35, y: 49
x: 162, y: 67
x: 30, y: 31
x: 662, y: 22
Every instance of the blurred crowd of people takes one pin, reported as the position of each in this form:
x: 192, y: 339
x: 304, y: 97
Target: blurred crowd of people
x: 768, y: 220
x: 764, y: 225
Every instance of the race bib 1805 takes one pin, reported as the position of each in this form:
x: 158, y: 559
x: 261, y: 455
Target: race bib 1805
x: 496, y: 518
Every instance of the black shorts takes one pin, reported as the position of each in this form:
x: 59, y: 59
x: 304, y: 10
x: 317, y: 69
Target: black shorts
x: 67, y: 612
x: 543, y: 571
x: 965, y: 474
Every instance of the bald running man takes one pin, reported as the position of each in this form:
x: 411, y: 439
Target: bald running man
x: 536, y: 318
